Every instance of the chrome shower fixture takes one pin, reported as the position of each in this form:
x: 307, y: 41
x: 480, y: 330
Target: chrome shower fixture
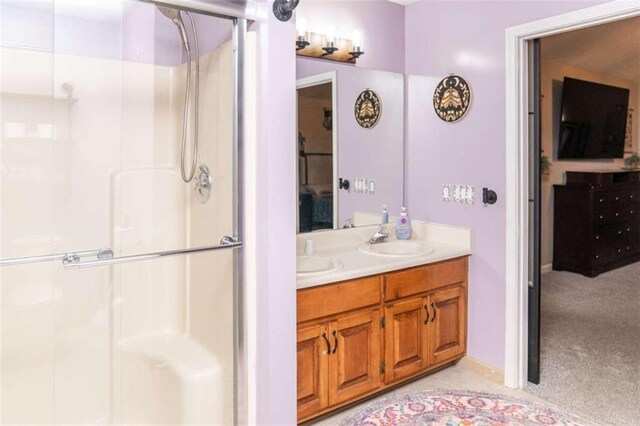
x: 283, y: 9
x: 176, y: 17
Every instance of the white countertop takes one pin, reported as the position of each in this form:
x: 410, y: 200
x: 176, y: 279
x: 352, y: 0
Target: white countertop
x: 446, y: 241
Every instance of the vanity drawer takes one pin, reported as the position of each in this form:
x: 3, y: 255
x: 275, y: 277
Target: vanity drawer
x: 425, y: 278
x: 331, y: 299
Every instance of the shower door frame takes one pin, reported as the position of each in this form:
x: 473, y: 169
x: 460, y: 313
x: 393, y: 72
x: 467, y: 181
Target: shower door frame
x: 239, y: 16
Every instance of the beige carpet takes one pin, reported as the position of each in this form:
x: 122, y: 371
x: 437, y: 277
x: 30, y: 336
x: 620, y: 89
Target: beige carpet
x: 590, y: 347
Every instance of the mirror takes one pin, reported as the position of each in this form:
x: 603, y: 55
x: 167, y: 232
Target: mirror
x: 347, y: 172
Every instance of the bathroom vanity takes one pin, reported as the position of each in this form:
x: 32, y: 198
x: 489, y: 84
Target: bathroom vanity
x: 376, y: 321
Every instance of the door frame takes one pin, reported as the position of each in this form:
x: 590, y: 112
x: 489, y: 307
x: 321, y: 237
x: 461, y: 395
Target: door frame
x: 316, y: 80
x: 517, y: 150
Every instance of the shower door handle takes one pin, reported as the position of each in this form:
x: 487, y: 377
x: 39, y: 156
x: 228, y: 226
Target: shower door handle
x: 75, y: 262
x: 102, y: 253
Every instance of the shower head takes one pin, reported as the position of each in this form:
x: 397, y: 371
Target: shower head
x: 176, y: 17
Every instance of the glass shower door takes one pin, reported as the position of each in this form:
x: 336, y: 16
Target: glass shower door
x: 117, y: 288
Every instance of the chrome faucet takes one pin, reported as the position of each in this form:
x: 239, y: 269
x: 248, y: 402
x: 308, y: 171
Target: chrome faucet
x: 380, y: 235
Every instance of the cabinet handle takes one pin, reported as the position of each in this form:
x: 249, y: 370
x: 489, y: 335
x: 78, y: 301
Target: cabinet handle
x: 326, y: 339
x: 335, y: 340
x: 617, y: 214
x: 433, y: 318
x: 427, y: 312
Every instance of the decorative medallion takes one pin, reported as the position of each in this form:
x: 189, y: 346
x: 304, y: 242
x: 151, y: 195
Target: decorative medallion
x: 451, y: 98
x: 368, y: 109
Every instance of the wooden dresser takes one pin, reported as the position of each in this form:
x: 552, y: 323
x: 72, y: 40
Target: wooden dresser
x: 596, y: 222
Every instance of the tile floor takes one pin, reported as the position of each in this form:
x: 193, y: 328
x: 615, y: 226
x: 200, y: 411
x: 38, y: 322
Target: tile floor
x: 454, y: 377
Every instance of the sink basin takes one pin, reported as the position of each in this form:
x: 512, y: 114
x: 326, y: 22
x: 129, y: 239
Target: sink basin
x: 397, y: 249
x: 309, y: 265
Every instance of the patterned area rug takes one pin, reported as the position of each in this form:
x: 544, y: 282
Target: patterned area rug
x: 448, y: 408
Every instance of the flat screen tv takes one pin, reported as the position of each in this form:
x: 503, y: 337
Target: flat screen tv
x: 593, y: 120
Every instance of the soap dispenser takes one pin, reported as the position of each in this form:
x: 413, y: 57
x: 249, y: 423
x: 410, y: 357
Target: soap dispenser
x: 403, y: 225
x: 385, y: 215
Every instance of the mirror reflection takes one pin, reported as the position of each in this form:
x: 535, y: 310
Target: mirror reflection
x: 348, y: 170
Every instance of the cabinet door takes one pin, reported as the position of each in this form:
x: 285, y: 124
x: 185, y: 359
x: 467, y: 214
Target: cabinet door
x: 448, y: 324
x: 406, y: 338
x: 354, y: 363
x: 313, y: 353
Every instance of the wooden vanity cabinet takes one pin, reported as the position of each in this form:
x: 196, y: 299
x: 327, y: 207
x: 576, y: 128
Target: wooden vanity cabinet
x: 312, y: 361
x: 354, y: 364
x: 356, y: 338
x: 406, y: 339
x: 448, y: 322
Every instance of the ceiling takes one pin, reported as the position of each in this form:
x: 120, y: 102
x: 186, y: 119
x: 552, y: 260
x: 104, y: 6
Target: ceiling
x: 612, y: 49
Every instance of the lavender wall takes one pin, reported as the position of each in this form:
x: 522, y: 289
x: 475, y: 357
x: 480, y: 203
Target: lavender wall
x: 467, y: 38
x: 375, y: 153
x: 381, y: 21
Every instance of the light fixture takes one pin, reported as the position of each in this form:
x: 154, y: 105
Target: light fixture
x: 330, y: 39
x: 357, y: 45
x: 328, y: 43
x: 303, y: 34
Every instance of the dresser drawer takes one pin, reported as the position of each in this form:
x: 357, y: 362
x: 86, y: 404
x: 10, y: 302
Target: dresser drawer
x: 331, y: 299
x: 422, y: 279
x: 614, y: 233
x: 613, y: 252
x: 626, y: 213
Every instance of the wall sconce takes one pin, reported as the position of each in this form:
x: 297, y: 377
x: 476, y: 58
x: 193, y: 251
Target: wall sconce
x: 303, y: 34
x: 328, y: 45
x: 357, y: 44
x: 330, y: 41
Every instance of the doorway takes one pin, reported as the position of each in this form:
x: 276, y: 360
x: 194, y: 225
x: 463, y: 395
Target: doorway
x: 518, y: 40
x: 317, y: 153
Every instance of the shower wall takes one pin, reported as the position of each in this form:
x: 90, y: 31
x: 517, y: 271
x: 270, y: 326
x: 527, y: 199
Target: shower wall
x: 90, y: 158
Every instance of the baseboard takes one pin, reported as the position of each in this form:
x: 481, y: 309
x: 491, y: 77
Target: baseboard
x: 546, y: 268
x: 483, y: 369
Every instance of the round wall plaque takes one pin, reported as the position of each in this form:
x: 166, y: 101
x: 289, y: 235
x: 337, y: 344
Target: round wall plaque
x: 451, y: 98
x: 368, y: 109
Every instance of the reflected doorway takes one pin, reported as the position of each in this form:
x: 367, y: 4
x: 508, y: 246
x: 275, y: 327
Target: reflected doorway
x: 317, y: 153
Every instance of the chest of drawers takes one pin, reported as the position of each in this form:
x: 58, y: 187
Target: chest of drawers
x: 596, y: 222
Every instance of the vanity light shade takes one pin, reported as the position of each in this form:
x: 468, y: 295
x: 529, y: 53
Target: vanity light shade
x: 357, y: 44
x: 330, y: 41
x: 357, y: 39
x: 330, y: 36
x: 302, y: 27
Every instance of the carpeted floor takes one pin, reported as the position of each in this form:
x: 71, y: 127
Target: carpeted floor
x: 590, y: 345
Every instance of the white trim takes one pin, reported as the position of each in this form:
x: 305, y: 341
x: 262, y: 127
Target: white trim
x: 315, y: 80
x: 517, y: 168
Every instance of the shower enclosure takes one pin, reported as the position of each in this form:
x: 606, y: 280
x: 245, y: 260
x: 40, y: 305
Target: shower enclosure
x: 118, y: 280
